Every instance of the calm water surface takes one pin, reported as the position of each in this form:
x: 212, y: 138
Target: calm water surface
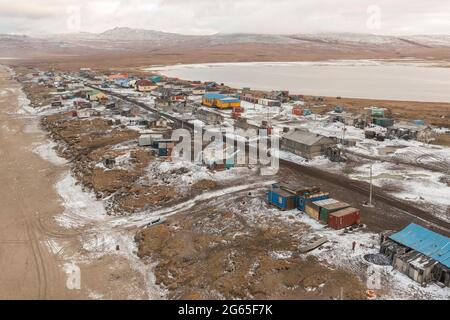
x: 353, y: 79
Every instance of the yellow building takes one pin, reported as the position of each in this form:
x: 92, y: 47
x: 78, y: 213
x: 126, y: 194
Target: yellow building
x: 220, y: 101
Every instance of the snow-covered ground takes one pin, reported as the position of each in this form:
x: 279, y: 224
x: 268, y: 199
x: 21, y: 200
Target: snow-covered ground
x: 99, y: 238
x: 47, y: 151
x: 188, y: 173
x: 338, y: 253
x: 416, y: 185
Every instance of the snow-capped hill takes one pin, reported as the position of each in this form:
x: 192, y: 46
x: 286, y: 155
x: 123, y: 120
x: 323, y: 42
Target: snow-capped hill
x: 431, y: 40
x: 129, y: 34
x: 233, y: 38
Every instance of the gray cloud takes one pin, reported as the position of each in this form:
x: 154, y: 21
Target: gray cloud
x: 226, y: 16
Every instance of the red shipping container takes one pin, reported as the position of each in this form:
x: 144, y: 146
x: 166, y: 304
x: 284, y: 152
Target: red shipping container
x: 344, y: 218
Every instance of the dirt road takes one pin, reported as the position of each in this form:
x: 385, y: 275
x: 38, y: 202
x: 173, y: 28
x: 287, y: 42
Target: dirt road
x: 29, y: 271
x: 30, y: 268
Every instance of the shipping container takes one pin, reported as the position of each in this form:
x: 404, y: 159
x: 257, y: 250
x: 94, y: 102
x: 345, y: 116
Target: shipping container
x: 344, y: 218
x: 281, y: 199
x: 326, y: 209
x: 313, y: 208
x: 305, y: 198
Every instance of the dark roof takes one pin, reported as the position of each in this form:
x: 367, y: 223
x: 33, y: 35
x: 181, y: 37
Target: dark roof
x: 144, y: 83
x: 306, y: 137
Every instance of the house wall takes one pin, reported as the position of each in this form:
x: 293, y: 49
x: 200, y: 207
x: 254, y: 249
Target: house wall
x: 208, y: 102
x: 296, y: 148
x: 420, y: 275
x: 145, y: 88
x: 226, y: 105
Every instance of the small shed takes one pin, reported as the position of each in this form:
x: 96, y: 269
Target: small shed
x: 420, y: 253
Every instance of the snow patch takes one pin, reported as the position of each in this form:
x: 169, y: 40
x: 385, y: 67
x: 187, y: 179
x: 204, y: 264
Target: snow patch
x: 81, y: 208
x: 47, y: 152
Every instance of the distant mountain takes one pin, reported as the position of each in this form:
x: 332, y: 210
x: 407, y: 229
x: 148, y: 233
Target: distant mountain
x: 159, y: 38
x: 129, y: 34
x: 246, y: 45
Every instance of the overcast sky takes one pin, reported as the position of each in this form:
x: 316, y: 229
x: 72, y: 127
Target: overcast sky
x: 227, y: 16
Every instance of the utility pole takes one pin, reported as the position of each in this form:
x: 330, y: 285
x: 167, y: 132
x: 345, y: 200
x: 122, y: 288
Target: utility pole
x: 370, y: 204
x: 370, y: 196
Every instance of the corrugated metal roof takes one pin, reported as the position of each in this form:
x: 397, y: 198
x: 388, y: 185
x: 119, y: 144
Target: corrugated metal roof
x: 325, y: 202
x: 305, y: 137
x: 344, y: 212
x: 425, y: 241
x: 213, y: 96
x: 220, y: 97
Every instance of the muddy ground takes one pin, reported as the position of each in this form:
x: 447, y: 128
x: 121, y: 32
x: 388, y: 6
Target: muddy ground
x: 236, y: 257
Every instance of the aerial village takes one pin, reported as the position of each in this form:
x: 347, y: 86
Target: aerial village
x: 357, y: 188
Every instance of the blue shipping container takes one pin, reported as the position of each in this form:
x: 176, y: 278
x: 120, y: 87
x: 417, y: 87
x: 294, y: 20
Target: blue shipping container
x: 302, y: 201
x: 281, y: 199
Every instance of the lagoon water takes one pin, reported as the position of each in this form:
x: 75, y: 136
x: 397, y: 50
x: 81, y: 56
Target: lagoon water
x: 409, y: 81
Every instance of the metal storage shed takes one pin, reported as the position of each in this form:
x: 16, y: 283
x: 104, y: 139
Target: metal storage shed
x: 425, y: 241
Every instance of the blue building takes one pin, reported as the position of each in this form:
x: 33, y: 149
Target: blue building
x: 420, y: 253
x: 155, y: 79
